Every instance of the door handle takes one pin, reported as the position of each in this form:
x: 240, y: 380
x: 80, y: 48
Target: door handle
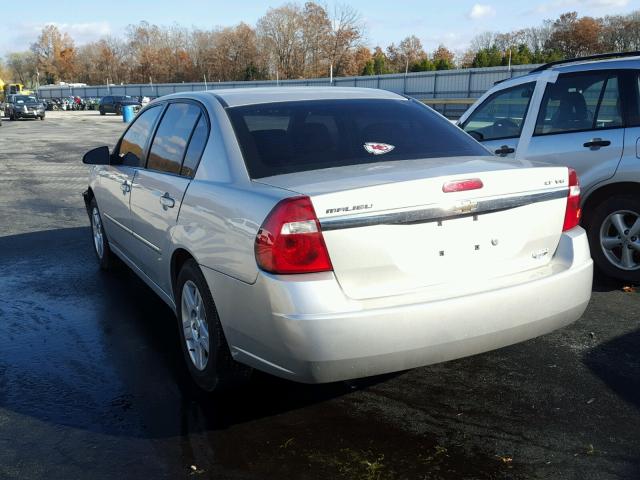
x: 125, y: 187
x: 504, y: 150
x: 167, y: 202
x: 596, y: 143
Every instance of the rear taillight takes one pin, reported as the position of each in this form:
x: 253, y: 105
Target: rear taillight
x: 573, y: 212
x: 290, y: 239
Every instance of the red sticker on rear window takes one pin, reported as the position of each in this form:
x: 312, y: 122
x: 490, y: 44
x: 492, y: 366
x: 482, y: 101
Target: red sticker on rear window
x: 378, y: 148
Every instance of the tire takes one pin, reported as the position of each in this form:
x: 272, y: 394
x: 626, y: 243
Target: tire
x: 104, y: 255
x: 214, y: 370
x: 118, y: 110
x: 615, y: 262
x: 42, y: 117
x: 102, y: 112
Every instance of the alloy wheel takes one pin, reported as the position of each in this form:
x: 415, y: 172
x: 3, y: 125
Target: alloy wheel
x: 194, y: 325
x: 620, y: 239
x: 98, y: 237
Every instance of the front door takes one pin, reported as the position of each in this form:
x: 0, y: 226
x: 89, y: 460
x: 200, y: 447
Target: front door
x: 115, y: 182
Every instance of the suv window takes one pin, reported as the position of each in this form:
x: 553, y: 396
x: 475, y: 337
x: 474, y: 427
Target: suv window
x: 132, y: 145
x: 106, y: 100
x: 501, y: 115
x: 578, y: 102
x: 170, y: 143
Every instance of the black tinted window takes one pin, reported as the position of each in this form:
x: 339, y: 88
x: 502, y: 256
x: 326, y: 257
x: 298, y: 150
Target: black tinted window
x: 133, y: 143
x: 171, y: 139
x: 290, y: 137
x: 196, y: 147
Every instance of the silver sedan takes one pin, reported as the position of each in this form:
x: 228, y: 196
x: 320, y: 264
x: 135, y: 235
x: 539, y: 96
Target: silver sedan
x: 322, y: 234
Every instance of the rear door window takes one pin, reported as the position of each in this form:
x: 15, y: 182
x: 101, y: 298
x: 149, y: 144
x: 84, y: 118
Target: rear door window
x: 287, y: 137
x: 135, y: 139
x: 171, y: 139
x: 502, y: 115
x: 195, y: 149
x: 580, y: 102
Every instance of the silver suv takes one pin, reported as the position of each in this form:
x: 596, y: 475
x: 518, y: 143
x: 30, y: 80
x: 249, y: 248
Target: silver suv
x: 585, y: 114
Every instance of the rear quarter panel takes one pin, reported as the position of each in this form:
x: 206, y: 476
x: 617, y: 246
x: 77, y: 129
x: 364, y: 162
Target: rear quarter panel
x: 218, y: 224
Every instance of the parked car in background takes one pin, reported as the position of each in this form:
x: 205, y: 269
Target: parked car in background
x: 114, y: 104
x: 584, y: 113
x: 24, y: 106
x: 322, y: 234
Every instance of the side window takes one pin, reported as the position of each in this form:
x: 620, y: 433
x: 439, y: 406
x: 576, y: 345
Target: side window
x: 501, y: 115
x: 132, y: 145
x: 578, y: 102
x: 196, y: 147
x: 170, y: 142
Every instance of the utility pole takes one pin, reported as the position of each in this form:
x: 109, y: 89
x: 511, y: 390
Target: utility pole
x: 331, y: 74
x: 205, y: 82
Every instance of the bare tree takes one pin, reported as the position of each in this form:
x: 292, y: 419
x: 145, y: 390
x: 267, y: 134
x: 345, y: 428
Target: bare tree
x: 346, y: 36
x: 279, y: 31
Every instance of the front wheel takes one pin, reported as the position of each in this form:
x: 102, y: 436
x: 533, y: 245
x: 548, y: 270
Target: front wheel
x: 102, y: 112
x: 204, y: 345
x: 100, y: 241
x: 614, y: 237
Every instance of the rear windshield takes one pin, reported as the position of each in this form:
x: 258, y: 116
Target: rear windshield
x: 287, y: 137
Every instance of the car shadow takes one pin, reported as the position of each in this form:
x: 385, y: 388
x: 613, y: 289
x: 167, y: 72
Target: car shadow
x: 99, y: 350
x: 617, y: 364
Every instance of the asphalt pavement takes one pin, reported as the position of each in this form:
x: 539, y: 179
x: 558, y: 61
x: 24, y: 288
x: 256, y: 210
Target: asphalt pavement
x: 92, y: 383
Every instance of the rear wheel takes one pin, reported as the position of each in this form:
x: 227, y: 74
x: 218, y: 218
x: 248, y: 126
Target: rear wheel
x: 614, y: 236
x: 204, y: 345
x: 118, y: 110
x: 102, y: 112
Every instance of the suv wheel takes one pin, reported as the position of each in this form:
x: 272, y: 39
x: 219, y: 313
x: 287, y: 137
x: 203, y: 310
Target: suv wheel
x: 204, y: 346
x: 102, y: 112
x: 118, y: 110
x: 614, y: 236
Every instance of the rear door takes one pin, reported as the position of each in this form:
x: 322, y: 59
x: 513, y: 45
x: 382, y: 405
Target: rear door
x: 160, y: 187
x: 580, y: 124
x: 498, y: 121
x: 115, y: 181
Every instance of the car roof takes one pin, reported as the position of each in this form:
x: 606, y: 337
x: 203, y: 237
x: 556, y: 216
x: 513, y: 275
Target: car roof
x: 258, y: 95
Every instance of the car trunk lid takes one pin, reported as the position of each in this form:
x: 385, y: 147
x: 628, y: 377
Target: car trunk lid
x: 392, y: 229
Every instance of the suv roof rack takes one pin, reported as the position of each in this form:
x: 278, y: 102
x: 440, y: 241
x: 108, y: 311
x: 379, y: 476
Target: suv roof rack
x: 599, y: 56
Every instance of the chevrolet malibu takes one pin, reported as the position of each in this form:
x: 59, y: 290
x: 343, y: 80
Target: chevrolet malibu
x: 323, y: 234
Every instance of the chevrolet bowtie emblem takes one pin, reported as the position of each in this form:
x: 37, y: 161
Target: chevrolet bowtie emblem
x: 466, y: 206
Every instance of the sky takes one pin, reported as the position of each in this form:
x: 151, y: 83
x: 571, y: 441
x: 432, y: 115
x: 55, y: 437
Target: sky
x: 452, y: 23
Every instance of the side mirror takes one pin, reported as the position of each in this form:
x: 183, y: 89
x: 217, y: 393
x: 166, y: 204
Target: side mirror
x: 97, y: 156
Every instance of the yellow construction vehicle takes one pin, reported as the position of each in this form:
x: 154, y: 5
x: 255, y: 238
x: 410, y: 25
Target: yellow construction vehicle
x: 12, y: 89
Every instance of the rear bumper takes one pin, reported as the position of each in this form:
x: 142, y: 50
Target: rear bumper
x: 308, y: 331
